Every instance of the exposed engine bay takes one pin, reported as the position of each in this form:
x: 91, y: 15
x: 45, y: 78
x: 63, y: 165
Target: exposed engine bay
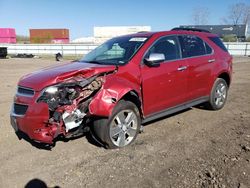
x: 68, y: 103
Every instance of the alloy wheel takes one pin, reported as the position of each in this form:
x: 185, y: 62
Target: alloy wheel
x: 123, y: 128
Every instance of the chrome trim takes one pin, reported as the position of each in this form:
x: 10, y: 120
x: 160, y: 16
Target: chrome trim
x: 182, y: 68
x: 156, y: 57
x: 211, y: 60
x: 23, y: 95
x: 13, y: 114
x: 164, y: 36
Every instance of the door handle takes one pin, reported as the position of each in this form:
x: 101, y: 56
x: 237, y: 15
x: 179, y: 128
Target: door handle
x: 211, y: 60
x: 182, y: 68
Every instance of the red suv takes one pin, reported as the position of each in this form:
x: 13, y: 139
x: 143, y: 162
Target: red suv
x: 123, y: 83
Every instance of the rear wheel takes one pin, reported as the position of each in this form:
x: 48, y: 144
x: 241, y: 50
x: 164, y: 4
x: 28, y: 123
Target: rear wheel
x: 218, y: 94
x: 121, y: 128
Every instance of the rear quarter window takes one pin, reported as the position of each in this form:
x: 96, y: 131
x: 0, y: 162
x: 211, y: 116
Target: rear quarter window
x: 192, y: 46
x: 219, y: 43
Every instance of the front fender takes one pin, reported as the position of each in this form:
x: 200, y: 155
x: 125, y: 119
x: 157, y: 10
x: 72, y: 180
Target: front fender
x: 112, y: 91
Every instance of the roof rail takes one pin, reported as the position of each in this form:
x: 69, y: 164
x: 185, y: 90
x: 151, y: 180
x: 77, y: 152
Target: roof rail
x: 189, y: 29
x: 143, y: 32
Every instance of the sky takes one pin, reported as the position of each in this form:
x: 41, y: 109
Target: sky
x: 80, y: 16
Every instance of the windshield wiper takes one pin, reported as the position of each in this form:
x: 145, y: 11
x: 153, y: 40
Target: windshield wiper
x: 105, y: 63
x: 95, y: 62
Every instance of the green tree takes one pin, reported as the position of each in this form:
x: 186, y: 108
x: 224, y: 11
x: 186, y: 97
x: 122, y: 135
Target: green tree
x: 22, y: 39
x: 229, y: 38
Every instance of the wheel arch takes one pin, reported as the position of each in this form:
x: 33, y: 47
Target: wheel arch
x: 226, y: 77
x: 105, y: 101
x: 133, y: 97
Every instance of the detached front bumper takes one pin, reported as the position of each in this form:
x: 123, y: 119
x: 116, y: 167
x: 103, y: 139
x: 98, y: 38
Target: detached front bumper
x: 34, y: 124
x: 31, y: 118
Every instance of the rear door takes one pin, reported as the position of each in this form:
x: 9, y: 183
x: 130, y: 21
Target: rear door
x: 200, y: 59
x: 164, y: 86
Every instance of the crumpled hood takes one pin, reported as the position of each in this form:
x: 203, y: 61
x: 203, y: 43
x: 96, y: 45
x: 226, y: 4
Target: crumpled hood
x: 55, y: 74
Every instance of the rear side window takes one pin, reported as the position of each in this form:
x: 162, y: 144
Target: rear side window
x: 218, y: 42
x: 192, y: 46
x: 208, y: 48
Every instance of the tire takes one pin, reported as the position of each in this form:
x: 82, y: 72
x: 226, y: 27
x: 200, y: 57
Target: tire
x: 121, y: 128
x: 218, y: 95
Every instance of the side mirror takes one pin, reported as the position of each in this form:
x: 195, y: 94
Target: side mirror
x: 154, y: 59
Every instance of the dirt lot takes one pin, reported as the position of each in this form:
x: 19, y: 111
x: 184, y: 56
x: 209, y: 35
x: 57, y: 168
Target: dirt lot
x: 195, y: 148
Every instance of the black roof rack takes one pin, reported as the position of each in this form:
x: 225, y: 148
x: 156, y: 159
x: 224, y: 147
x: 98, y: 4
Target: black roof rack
x: 189, y: 29
x: 143, y: 32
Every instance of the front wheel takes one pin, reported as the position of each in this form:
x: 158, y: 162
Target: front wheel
x: 121, y: 128
x: 218, y: 94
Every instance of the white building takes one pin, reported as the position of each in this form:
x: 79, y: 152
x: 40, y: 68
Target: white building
x: 84, y: 40
x: 101, y: 34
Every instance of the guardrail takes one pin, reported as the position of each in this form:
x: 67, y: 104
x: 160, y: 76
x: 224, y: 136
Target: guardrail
x: 235, y: 48
x: 238, y: 48
x: 37, y: 49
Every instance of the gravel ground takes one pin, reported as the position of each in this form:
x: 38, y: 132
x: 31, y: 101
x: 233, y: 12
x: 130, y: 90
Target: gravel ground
x: 194, y: 148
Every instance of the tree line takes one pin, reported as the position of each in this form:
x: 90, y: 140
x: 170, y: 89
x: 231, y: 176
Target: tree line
x: 238, y: 13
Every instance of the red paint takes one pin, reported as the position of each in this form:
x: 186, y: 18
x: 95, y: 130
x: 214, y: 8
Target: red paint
x: 58, y: 73
x: 163, y: 86
x: 157, y: 88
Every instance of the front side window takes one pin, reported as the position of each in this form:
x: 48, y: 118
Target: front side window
x: 192, y: 46
x: 168, y: 46
x: 116, y: 51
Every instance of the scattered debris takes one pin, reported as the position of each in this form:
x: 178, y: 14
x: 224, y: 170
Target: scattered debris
x: 211, y: 179
x: 245, y: 148
x: 22, y: 56
x: 241, y: 185
x: 3, y: 52
x: 234, y: 159
x: 59, y: 57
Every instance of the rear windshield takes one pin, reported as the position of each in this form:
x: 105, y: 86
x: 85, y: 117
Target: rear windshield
x: 218, y: 42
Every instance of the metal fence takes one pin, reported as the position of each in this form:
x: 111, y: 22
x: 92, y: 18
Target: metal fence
x: 38, y: 49
x: 240, y: 48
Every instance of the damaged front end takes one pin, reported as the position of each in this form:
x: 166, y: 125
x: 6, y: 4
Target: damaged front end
x: 68, y: 104
x: 58, y: 110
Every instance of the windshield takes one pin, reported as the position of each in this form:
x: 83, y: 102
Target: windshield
x: 116, y: 51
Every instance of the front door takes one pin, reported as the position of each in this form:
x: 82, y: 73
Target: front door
x: 164, y: 86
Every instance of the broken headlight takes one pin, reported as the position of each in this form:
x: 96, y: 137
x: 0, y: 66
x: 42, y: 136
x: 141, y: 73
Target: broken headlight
x: 51, y: 90
x: 57, y: 95
x: 50, y: 95
x: 65, y: 93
